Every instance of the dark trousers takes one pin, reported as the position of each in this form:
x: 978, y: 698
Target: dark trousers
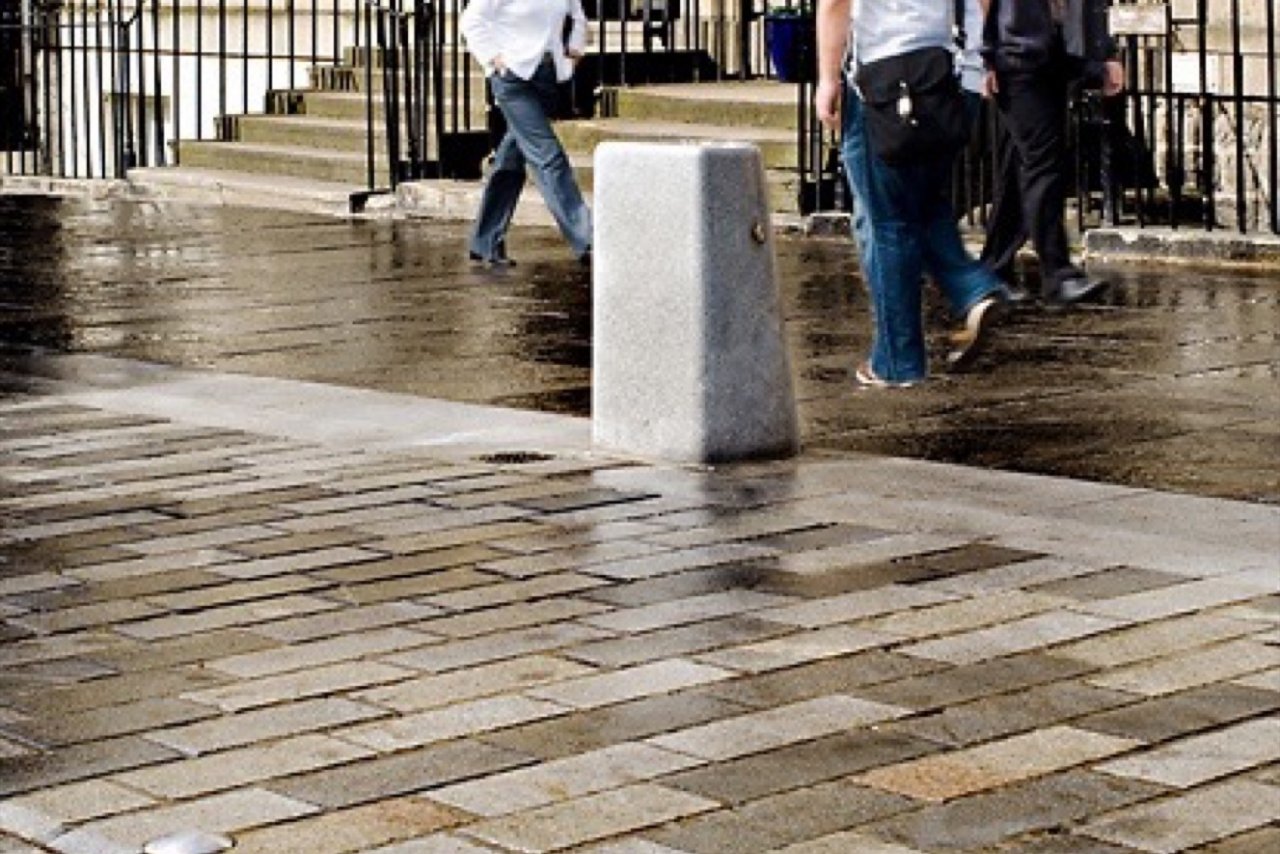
x: 1030, y: 185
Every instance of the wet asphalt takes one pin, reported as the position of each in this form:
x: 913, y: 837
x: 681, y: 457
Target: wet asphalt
x: 1172, y: 382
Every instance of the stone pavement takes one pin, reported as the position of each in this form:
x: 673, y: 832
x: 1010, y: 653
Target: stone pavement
x: 313, y: 614
x: 319, y: 619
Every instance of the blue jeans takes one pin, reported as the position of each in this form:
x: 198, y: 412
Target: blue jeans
x: 904, y: 226
x: 530, y: 140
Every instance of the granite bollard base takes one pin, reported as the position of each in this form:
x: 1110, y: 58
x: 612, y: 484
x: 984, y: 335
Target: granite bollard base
x: 689, y: 358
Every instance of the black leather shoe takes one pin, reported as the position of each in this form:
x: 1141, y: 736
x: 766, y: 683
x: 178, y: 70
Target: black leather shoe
x: 496, y: 261
x: 1074, y: 289
x: 1016, y: 293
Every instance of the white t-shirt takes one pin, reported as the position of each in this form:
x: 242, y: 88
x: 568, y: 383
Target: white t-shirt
x: 522, y: 32
x: 884, y: 28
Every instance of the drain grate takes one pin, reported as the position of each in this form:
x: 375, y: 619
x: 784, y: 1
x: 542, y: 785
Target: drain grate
x: 515, y: 458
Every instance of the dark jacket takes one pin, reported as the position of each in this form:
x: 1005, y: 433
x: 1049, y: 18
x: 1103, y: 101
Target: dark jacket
x: 1020, y: 35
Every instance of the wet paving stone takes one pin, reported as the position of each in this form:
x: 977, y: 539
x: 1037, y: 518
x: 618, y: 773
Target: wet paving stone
x: 106, y: 722
x: 771, y: 772
x: 971, y: 681
x: 270, y: 294
x: 78, y: 762
x: 594, y: 729
x: 1026, y: 808
x: 1006, y: 714
x: 1177, y: 715
x: 778, y: 820
x: 416, y: 770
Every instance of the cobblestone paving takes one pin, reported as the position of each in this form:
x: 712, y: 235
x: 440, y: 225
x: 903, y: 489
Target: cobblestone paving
x: 317, y: 646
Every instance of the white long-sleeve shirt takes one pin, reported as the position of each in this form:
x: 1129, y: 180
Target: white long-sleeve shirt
x: 522, y: 32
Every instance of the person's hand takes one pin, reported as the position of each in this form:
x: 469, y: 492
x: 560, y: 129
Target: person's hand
x: 499, y: 64
x: 575, y: 56
x: 826, y: 103
x: 990, y: 84
x: 1112, y: 78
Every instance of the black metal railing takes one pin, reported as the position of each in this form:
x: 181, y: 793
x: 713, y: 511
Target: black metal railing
x: 1191, y: 143
x: 91, y: 89
x: 429, y: 105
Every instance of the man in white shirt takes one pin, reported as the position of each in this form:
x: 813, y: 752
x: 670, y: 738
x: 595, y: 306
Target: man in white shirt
x: 522, y: 47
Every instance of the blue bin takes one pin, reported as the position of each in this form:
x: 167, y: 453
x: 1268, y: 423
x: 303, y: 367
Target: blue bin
x: 791, y: 42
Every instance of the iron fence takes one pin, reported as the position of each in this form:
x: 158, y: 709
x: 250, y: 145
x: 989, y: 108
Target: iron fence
x: 1192, y: 142
x: 92, y: 88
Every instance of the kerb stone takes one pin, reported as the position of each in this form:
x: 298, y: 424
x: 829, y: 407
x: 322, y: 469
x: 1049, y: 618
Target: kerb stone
x: 690, y: 363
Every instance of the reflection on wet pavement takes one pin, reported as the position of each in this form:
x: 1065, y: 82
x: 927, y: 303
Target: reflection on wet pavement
x: 1173, y: 383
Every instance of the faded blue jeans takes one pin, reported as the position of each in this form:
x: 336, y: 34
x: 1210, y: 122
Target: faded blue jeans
x: 904, y: 226
x: 527, y: 106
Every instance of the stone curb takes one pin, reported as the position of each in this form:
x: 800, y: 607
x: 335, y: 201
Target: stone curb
x: 1183, y: 246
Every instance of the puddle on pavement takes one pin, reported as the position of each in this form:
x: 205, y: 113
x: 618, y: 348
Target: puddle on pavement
x: 1171, y: 355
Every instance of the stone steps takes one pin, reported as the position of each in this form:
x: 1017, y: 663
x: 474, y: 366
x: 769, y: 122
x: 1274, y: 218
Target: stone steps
x: 353, y: 105
x: 777, y: 146
x: 308, y: 162
x: 319, y: 133
x: 763, y: 104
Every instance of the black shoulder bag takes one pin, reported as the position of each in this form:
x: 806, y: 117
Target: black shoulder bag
x: 914, y: 106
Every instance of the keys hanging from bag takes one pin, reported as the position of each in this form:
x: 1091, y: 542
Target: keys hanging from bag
x: 915, y: 109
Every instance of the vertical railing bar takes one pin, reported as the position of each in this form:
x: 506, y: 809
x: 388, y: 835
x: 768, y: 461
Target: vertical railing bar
x: 59, y: 96
x: 1237, y: 86
x: 199, y: 69
x: 71, y: 109
x: 1209, y: 214
x: 140, y: 21
x: 111, y: 90
x: 175, y: 95
x: 437, y: 80
x: 292, y: 38
x: 46, y: 149
x: 270, y: 29
x: 1273, y: 171
x: 102, y: 85
x: 244, y: 58
x: 31, y: 158
x: 86, y: 103
x: 1172, y: 155
x: 368, y: 97
x: 157, y: 106
x: 222, y: 65
x: 456, y: 75
x: 130, y: 147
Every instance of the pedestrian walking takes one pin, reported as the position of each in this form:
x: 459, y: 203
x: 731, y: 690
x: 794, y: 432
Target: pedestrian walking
x: 526, y: 48
x: 903, y: 221
x: 1034, y: 51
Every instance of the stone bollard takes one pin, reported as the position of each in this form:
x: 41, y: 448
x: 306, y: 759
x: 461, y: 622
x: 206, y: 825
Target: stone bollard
x: 689, y: 358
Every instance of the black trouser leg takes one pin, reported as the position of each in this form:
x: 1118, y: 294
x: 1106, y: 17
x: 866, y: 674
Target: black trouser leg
x: 1005, y: 230
x: 1033, y: 109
